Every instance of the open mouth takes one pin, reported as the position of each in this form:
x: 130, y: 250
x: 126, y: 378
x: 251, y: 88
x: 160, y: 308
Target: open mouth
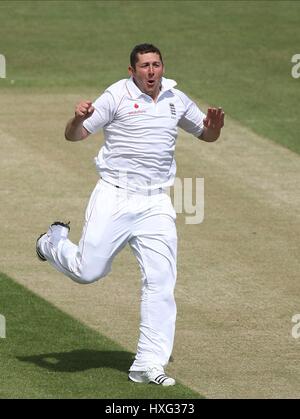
x: 150, y: 82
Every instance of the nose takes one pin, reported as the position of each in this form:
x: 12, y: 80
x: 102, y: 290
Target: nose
x: 151, y: 70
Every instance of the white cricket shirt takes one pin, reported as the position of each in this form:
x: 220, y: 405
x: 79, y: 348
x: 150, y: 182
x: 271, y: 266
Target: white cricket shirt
x: 140, y: 134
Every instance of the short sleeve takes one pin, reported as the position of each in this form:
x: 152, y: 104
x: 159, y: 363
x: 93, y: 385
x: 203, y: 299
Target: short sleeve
x: 103, y: 114
x: 192, y: 119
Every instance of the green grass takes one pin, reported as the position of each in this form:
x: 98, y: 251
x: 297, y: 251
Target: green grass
x: 231, y: 53
x: 47, y: 354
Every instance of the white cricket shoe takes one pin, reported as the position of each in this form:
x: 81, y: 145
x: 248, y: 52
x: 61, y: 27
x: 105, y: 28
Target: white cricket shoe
x: 55, y: 233
x: 152, y: 375
x: 58, y: 231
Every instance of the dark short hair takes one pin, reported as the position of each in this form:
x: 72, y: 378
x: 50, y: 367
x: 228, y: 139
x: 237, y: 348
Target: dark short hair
x: 143, y: 49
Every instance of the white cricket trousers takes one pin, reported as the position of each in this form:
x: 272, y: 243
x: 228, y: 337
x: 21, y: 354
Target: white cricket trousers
x: 115, y: 217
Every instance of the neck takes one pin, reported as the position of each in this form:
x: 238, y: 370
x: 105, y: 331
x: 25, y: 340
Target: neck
x: 153, y: 95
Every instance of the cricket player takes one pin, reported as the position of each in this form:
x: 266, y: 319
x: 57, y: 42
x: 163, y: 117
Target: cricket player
x: 139, y: 116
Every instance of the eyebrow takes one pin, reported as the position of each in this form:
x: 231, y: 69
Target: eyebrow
x: 150, y: 62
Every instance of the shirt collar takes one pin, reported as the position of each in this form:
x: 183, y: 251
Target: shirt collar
x: 135, y: 92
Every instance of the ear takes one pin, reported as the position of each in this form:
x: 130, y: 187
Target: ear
x: 130, y: 71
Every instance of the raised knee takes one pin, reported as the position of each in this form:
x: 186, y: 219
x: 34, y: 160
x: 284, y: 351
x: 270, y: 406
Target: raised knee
x: 88, y: 276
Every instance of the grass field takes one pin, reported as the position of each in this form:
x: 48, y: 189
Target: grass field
x: 238, y: 272
x: 47, y: 354
x: 234, y: 53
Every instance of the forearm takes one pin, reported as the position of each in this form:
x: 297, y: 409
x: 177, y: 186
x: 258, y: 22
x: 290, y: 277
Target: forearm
x: 75, y: 130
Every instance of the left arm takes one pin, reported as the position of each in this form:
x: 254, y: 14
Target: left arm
x: 213, y: 123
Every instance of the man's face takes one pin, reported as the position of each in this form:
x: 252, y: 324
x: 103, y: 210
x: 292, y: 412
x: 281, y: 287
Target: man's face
x: 148, y: 73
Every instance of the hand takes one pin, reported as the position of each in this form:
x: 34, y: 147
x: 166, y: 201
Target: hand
x: 84, y: 110
x: 214, y: 119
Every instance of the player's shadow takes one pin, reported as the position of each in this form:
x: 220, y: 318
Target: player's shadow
x: 81, y: 360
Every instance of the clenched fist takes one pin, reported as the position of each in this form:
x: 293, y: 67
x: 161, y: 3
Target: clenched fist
x: 84, y: 110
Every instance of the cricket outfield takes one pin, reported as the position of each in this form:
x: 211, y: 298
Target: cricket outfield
x: 238, y: 271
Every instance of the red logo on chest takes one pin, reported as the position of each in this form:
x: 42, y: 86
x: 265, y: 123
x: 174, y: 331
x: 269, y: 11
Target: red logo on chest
x: 137, y: 110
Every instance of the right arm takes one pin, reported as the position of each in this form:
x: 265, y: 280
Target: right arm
x: 75, y: 130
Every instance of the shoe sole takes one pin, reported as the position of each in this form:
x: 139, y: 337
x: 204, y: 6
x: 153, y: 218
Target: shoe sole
x: 61, y: 224
x: 163, y: 380
x: 38, y: 252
